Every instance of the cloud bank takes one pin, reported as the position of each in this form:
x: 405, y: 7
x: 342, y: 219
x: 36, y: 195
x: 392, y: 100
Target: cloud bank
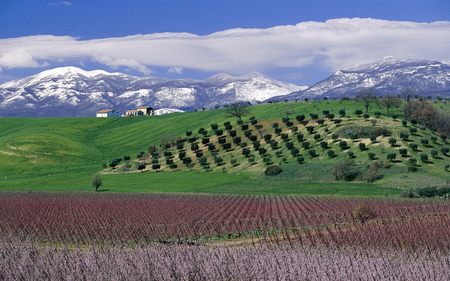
x: 333, y: 45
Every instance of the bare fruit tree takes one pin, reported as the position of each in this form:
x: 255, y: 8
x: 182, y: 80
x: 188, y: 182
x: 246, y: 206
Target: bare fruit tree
x: 367, y: 96
x: 389, y: 101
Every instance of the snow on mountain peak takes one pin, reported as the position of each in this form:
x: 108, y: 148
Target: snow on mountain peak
x: 62, y: 71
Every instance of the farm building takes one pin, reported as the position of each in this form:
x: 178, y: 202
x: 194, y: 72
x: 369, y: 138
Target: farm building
x: 108, y: 113
x: 147, y: 110
x: 162, y: 111
x: 134, y: 113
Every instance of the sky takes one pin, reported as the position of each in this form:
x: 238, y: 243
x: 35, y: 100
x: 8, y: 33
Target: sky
x: 300, y: 42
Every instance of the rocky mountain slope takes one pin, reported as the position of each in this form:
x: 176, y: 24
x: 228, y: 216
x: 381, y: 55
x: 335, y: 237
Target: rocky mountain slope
x: 70, y: 91
x: 389, y: 76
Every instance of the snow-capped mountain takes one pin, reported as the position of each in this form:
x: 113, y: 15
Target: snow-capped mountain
x: 389, y: 76
x: 70, y: 91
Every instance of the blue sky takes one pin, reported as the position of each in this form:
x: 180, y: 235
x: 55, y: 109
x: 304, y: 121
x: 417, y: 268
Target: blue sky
x: 301, y: 42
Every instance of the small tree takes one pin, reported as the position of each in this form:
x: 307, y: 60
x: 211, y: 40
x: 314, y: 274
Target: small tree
x: 424, y: 157
x: 331, y: 153
x: 434, y: 153
x: 238, y: 109
x: 96, y: 181
x: 392, y: 141
x: 173, y: 166
x: 391, y: 156
x: 334, y: 137
x: 366, y: 96
x: 389, y: 101
x: 343, y: 145
x: 362, y: 146
x: 371, y: 155
x: 350, y: 154
x: 445, y: 150
x: 403, y: 152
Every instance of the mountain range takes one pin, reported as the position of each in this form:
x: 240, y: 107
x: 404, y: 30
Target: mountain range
x: 71, y: 91
x: 388, y: 76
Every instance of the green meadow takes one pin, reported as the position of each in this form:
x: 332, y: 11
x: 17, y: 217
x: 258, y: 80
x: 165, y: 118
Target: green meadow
x: 62, y: 154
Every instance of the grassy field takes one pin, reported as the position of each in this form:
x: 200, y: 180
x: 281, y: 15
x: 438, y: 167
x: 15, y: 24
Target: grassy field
x: 62, y: 154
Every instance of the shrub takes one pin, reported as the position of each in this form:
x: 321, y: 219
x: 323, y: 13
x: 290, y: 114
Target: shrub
x: 317, y: 137
x: 377, y: 114
x: 300, y: 159
x: 366, y: 116
x: 342, y: 112
x: 330, y: 116
x: 412, y: 130
x: 284, y: 136
x: 344, y: 170
x: 274, y: 144
x: 310, y: 129
x: 300, y: 118
x: 334, y: 136
x: 180, y: 145
x: 324, y: 145
x: 252, y: 138
x: 331, y: 153
x: 226, y: 146
x: 262, y: 151
x: 394, y: 116
x: 321, y: 121
x: 156, y: 167
x: 424, y: 141
x: 363, y: 213
x: 254, y: 122
x: 443, y: 138
x: 343, y: 144
x: 199, y: 154
x: 392, y: 141
x: 279, y: 153
x: 272, y: 170
x: 251, y: 160
x: 232, y: 133
x: 404, y: 123
x: 246, y: 152
x: 423, y: 157
x: 413, y: 121
x: 362, y: 146
x: 202, y: 160
x: 289, y: 145
x: 434, y: 153
x: 240, y: 122
x: 167, y: 153
x: 141, y: 167
x: 193, y: 139
x: 371, y: 155
x: 403, y: 152
x: 295, y: 151
x: 267, y: 138
x: 294, y: 129
x: 188, y: 133
x: 218, y: 132
x: 305, y: 145
x: 126, y: 158
x: 228, y: 127
x: 244, y: 127
x: 312, y: 153
x: 337, y: 121
x: 391, y: 156
x: 187, y: 160
x: 275, y: 125
x: 404, y: 136
x: 414, y: 146
x: 434, y: 139
x: 243, y: 144
x: 221, y: 140
x: 214, y: 127
x: 211, y: 147
x: 267, y: 160
x: 412, y: 161
x: 256, y: 145
x: 173, y: 166
x: 218, y: 160
x: 205, y: 141
x: 300, y: 137
x: 278, y: 131
x: 181, y: 154
x: 289, y: 124
x: 445, y: 150
x: 194, y: 147
x: 233, y: 161
x: 350, y: 154
x: 373, y: 138
x: 358, y: 112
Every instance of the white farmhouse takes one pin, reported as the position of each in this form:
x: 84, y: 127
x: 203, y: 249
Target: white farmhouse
x: 108, y: 113
x: 162, y: 111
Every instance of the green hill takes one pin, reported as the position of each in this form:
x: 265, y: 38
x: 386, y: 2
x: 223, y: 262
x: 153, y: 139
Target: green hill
x: 63, y: 153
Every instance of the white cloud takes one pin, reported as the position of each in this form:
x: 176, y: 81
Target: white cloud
x: 176, y: 69
x: 64, y: 3
x: 333, y: 45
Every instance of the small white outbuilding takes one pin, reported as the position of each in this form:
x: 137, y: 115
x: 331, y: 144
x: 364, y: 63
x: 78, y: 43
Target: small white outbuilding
x: 108, y: 113
x: 162, y: 111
